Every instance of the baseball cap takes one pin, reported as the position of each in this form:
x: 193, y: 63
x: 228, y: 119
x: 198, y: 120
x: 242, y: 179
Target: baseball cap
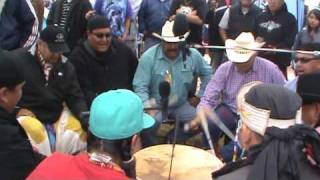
x: 118, y: 114
x: 54, y: 36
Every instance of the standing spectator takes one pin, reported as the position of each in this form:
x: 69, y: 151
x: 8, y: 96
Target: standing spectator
x: 277, y: 28
x: 195, y: 10
x: 238, y: 18
x: 52, y: 101
x: 18, y: 24
x: 118, y: 13
x: 17, y: 157
x: 102, y: 62
x: 71, y: 16
x: 152, y: 16
x: 38, y: 6
x: 213, y: 18
x: 310, y: 34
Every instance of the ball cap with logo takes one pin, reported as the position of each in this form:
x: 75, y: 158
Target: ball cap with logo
x: 118, y: 114
x: 55, y: 38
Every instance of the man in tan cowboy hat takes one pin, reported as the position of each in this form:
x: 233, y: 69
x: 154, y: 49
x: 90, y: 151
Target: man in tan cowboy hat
x: 244, y: 66
x: 165, y: 62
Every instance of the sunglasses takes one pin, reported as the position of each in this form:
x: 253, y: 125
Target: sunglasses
x: 304, y: 60
x: 101, y: 35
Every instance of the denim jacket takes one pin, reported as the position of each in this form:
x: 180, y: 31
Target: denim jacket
x: 152, y: 70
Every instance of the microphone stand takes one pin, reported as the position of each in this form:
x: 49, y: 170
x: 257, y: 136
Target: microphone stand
x: 177, y: 124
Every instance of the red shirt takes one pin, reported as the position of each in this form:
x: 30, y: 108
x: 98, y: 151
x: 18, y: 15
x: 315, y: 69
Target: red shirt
x: 61, y: 166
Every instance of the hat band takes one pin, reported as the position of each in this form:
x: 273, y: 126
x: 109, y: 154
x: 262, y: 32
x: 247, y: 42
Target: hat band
x: 259, y: 120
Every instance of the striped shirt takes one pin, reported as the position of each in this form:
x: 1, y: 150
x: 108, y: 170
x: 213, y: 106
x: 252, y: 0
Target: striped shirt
x: 66, y: 5
x: 227, y: 81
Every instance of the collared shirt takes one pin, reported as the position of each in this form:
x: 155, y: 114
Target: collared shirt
x: 227, y: 81
x: 292, y: 85
x: 152, y: 70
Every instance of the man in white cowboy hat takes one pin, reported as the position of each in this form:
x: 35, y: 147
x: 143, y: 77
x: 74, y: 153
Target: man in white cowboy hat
x: 244, y: 66
x: 165, y: 62
x: 277, y: 148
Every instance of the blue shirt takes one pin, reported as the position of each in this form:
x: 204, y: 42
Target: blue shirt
x: 116, y: 11
x: 152, y: 70
x: 153, y: 14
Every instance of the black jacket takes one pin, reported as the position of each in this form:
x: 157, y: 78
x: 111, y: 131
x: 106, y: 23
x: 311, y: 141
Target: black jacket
x: 213, y: 18
x: 17, y: 158
x: 239, y: 22
x: 45, y: 99
x: 278, y: 30
x: 281, y: 156
x: 99, y: 73
x: 18, y: 25
x: 76, y: 22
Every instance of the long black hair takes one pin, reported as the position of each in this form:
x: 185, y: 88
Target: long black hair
x: 316, y: 13
x: 119, y: 150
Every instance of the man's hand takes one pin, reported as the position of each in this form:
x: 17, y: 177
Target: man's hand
x: 89, y: 14
x: 25, y: 112
x: 202, y: 115
x: 194, y: 101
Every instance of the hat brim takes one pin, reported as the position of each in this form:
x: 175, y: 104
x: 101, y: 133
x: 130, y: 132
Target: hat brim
x: 172, y: 39
x: 58, y: 48
x: 148, y: 121
x: 236, y: 54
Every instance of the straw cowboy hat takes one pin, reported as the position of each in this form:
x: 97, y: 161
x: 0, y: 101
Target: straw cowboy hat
x: 237, y: 50
x: 167, y: 34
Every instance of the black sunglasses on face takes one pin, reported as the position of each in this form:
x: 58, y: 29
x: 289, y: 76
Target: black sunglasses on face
x: 304, y: 60
x: 101, y: 35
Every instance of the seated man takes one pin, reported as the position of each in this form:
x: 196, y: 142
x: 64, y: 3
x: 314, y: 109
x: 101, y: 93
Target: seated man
x: 244, y: 66
x: 102, y: 62
x: 277, y: 148
x: 165, y: 62
x: 116, y: 118
x: 309, y: 90
x: 305, y: 63
x: 51, y: 89
x: 17, y: 157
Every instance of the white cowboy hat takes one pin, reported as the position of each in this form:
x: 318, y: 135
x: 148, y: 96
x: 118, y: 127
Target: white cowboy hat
x: 167, y: 34
x: 237, y: 50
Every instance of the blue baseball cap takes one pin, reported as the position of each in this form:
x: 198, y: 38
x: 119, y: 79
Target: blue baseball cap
x: 118, y: 114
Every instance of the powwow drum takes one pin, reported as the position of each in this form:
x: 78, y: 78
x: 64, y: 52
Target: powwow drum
x: 189, y: 163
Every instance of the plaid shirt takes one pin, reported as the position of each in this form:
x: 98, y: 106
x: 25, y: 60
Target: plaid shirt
x: 227, y: 81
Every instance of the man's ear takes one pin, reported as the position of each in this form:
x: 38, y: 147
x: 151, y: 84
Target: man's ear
x: 3, y: 94
x: 135, y: 144
x: 318, y: 112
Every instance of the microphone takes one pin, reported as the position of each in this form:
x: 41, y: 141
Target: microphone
x: 164, y: 91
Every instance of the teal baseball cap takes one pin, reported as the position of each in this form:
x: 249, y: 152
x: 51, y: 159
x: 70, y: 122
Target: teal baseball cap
x: 118, y: 114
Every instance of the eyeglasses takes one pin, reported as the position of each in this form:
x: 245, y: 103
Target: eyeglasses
x: 101, y: 35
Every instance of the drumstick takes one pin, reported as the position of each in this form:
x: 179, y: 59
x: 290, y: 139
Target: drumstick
x: 204, y: 124
x: 214, y: 118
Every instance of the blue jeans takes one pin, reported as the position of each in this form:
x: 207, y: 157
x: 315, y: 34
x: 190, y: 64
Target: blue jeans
x: 185, y: 113
x: 230, y: 119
